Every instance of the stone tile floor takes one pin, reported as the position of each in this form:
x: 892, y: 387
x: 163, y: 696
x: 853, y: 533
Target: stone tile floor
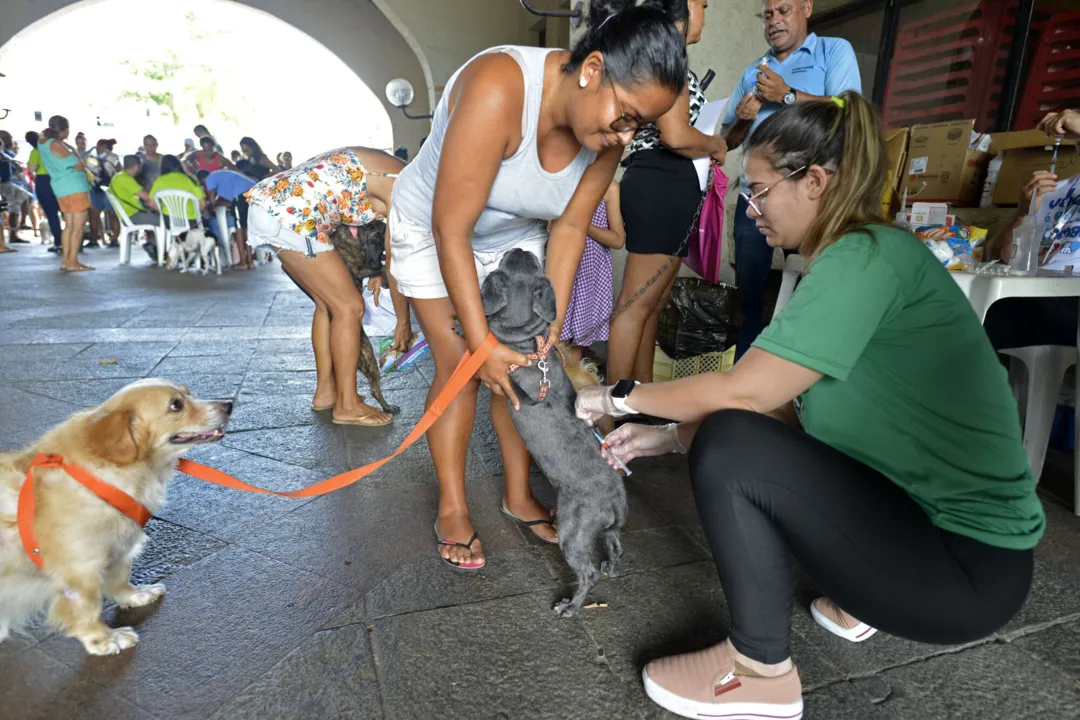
x: 337, y: 607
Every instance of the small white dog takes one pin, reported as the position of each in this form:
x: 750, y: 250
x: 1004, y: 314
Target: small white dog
x: 197, y: 245
x: 44, y: 232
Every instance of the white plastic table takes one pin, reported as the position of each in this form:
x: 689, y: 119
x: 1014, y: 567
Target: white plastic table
x: 984, y: 290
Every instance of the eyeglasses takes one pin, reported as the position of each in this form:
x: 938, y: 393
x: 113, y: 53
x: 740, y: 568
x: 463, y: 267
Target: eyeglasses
x: 757, y: 200
x: 624, y: 123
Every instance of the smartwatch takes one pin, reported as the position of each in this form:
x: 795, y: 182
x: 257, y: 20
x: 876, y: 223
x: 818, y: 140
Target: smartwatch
x: 790, y: 97
x: 620, y: 392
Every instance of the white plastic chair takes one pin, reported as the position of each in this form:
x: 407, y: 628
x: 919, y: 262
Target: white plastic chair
x: 174, y: 217
x: 794, y: 266
x: 128, y: 229
x: 1037, y: 391
x: 224, y: 234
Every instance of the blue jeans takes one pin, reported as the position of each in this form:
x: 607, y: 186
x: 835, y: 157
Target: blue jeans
x: 50, y: 206
x: 753, y: 260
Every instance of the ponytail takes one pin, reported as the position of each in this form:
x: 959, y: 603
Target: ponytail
x: 640, y: 44
x: 843, y: 136
x: 57, y: 125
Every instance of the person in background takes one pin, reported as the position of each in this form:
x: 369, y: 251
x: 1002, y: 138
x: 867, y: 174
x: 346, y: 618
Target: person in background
x: 173, y: 177
x: 845, y: 441
x: 590, y: 305
x: 402, y: 153
x: 236, y: 156
x: 134, y: 199
x: 34, y: 211
x: 660, y: 197
x: 189, y: 147
x: 43, y: 188
x: 1024, y: 322
x: 227, y: 187
x: 209, y: 158
x: 258, y: 164
x: 151, y: 161
x: 799, y: 67
x: 284, y: 160
x: 14, y: 187
x: 80, y: 146
x: 104, y: 164
x: 201, y: 132
x: 71, y: 186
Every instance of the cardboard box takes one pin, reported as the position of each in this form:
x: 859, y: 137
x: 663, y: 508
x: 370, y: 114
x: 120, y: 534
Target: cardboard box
x: 896, y: 145
x: 1026, y: 152
x: 941, y: 156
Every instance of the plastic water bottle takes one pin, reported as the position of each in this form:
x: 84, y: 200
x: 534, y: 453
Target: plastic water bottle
x: 1025, y: 245
x: 991, y: 180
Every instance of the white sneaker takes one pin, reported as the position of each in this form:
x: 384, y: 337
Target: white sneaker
x: 828, y: 615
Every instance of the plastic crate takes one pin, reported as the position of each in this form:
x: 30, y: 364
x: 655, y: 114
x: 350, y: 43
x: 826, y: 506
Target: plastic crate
x: 665, y: 368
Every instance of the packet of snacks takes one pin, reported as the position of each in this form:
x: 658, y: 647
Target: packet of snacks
x: 958, y: 247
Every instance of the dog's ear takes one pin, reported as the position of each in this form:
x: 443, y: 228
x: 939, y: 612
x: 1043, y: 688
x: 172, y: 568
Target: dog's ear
x: 115, y: 438
x: 495, y: 292
x: 544, y: 301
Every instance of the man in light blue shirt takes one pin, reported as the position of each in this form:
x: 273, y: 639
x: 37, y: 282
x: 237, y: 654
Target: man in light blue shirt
x: 799, y: 66
x: 227, y: 187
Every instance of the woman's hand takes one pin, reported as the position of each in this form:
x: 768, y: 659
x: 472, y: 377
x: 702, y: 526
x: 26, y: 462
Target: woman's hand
x: 634, y: 441
x: 403, y: 337
x: 1041, y: 183
x: 374, y: 286
x: 719, y: 154
x: 1061, y: 124
x: 495, y: 372
x: 595, y: 402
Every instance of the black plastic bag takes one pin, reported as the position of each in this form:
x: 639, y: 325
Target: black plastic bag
x: 700, y: 318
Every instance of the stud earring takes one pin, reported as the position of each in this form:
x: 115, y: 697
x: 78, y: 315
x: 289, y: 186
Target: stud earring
x: 582, y: 81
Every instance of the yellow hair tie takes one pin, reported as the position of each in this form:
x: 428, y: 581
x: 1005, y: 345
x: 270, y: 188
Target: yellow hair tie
x: 840, y: 102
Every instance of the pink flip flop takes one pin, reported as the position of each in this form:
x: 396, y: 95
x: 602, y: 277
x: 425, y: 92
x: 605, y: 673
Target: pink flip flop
x: 460, y: 567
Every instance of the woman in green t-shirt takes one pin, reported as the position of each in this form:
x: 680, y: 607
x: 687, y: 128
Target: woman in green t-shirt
x: 869, y: 434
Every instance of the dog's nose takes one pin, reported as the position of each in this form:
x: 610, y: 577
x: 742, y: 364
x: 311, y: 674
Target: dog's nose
x: 226, y: 407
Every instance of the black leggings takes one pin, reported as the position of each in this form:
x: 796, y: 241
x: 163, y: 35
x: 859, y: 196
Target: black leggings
x: 769, y: 494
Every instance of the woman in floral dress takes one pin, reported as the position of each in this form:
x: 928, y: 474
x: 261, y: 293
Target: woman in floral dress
x: 296, y: 212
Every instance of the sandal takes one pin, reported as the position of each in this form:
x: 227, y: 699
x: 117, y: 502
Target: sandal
x: 321, y: 408
x: 460, y: 567
x: 364, y: 420
x: 531, y: 523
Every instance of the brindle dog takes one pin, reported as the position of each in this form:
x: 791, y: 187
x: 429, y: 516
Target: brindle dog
x: 363, y: 257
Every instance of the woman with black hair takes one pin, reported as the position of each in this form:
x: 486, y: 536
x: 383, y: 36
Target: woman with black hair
x: 660, y: 196
x: 256, y: 164
x: 845, y: 439
x: 522, y: 136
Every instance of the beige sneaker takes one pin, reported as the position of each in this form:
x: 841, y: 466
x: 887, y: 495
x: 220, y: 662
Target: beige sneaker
x: 828, y: 615
x: 708, y: 684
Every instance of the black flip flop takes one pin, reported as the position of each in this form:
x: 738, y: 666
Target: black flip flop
x: 530, y: 523
x: 468, y: 546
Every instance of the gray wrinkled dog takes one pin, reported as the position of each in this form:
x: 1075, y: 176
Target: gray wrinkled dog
x: 519, y: 302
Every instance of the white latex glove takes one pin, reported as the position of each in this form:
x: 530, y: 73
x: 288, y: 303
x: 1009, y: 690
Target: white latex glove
x: 594, y: 402
x: 633, y: 441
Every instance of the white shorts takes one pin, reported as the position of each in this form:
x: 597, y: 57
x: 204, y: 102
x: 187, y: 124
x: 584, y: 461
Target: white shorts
x: 414, y: 260
x: 265, y: 229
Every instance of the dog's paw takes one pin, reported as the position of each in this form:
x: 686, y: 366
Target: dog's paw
x: 141, y: 596
x: 607, y: 567
x: 112, y: 642
x: 565, y: 608
x: 392, y: 409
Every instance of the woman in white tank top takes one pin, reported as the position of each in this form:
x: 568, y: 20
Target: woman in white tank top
x: 522, y: 136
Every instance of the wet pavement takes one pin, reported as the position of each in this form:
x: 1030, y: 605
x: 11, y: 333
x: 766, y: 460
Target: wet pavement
x: 337, y: 607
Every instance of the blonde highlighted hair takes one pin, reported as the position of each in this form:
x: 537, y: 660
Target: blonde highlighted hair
x: 843, y: 136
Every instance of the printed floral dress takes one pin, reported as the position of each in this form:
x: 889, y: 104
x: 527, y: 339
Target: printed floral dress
x: 315, y: 197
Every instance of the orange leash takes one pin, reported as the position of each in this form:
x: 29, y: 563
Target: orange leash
x: 109, y: 493
x: 462, y: 375
x: 126, y: 504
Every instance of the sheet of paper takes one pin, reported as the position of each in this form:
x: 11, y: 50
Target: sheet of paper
x: 708, y: 122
